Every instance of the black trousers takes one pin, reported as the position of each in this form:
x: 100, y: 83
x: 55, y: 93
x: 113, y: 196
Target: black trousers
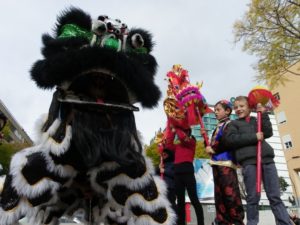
x: 186, y: 181
x: 171, y: 195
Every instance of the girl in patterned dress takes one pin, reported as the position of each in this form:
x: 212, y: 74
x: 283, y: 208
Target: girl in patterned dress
x: 229, y: 208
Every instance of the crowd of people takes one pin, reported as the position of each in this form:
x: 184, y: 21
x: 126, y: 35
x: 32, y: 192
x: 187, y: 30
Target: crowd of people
x: 233, y: 144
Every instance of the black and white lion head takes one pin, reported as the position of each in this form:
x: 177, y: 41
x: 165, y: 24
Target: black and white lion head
x: 100, y: 69
x: 101, y: 61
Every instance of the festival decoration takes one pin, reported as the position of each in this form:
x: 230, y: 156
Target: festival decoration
x: 184, y: 105
x: 263, y: 96
x: 89, y: 156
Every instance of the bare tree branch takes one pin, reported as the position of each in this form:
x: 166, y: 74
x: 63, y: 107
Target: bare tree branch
x: 292, y: 26
x: 294, y: 3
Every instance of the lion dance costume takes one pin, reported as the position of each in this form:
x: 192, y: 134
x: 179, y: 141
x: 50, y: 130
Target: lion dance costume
x: 89, y: 155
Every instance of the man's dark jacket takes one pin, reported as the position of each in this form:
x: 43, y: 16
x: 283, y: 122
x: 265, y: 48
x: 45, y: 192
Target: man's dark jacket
x: 240, y: 136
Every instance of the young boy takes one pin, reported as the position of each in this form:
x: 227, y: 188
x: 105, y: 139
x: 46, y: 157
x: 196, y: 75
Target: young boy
x: 242, y: 136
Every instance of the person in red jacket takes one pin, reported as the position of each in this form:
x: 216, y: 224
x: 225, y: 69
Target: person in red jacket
x: 184, y: 147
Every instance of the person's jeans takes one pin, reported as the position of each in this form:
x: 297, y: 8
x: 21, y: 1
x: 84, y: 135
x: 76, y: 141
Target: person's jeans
x: 271, y: 184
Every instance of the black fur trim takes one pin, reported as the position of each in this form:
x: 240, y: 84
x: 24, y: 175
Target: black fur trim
x: 160, y: 215
x: 9, y: 197
x: 36, y: 170
x: 106, y: 175
x: 133, y: 171
x: 53, y: 46
x: 147, y: 36
x: 65, y: 66
x: 101, y: 137
x: 39, y: 199
x: 121, y: 193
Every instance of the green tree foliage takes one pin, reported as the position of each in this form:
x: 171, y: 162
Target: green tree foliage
x: 6, y: 131
x: 283, y: 184
x: 270, y: 29
x: 152, y: 152
x: 6, y: 152
x: 200, y: 150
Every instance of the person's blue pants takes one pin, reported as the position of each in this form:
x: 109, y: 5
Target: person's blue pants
x: 271, y: 184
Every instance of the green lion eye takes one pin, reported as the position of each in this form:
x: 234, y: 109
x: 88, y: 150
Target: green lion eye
x: 112, y: 43
x: 72, y: 30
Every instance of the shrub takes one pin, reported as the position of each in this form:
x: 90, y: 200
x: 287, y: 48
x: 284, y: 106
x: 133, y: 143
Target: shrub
x: 6, y: 152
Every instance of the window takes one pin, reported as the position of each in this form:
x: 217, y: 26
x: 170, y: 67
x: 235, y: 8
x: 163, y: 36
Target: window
x: 288, y: 144
x: 281, y: 118
x: 213, y: 121
x: 287, y: 141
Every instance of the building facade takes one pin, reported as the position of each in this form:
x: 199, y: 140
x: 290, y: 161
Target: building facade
x: 275, y: 141
x: 289, y: 124
x: 17, y: 133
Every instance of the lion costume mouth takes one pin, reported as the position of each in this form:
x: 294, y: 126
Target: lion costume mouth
x: 98, y: 89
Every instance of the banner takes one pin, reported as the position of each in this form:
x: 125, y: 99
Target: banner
x: 204, y: 179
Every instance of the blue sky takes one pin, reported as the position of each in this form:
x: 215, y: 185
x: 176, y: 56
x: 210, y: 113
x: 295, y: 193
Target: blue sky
x: 194, y: 33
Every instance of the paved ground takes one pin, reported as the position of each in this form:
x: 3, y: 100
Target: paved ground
x: 266, y: 217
